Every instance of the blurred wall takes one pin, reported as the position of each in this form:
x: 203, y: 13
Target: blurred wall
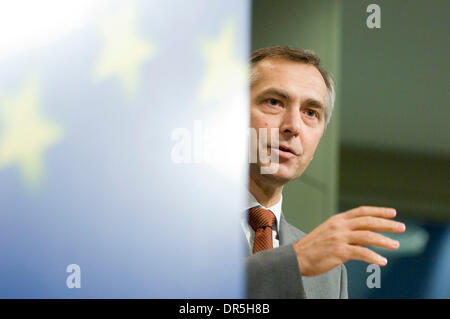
x: 314, y: 25
x: 395, y: 134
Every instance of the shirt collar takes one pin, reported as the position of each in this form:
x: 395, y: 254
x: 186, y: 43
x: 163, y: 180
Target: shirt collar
x: 275, y: 209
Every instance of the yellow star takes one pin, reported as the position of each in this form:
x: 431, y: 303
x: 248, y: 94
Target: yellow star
x: 125, y: 50
x: 224, y: 71
x: 25, y: 133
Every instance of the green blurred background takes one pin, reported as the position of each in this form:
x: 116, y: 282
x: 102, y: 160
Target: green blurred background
x: 388, y: 143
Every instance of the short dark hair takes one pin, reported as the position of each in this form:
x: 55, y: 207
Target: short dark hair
x: 302, y: 56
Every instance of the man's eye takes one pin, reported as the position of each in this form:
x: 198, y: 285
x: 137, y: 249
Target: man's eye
x: 312, y: 113
x: 273, y: 102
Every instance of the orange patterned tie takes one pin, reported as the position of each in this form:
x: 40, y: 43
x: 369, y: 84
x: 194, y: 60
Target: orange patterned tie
x: 261, y: 220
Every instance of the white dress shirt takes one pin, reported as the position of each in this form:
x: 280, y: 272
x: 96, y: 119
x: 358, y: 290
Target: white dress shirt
x: 248, y: 230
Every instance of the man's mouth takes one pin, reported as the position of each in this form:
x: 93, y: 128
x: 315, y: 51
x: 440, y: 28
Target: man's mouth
x: 285, y: 151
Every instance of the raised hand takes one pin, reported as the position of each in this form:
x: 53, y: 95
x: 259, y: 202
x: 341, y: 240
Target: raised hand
x: 343, y: 237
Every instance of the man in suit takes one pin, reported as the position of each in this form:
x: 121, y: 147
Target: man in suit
x: 292, y: 93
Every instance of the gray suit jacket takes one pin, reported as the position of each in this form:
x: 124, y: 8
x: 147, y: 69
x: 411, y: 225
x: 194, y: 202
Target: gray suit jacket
x: 275, y: 273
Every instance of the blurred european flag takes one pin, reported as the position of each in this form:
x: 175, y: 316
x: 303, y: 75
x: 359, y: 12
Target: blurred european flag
x: 90, y: 95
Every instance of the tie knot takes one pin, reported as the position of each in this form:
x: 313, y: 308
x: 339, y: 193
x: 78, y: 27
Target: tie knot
x: 259, y: 217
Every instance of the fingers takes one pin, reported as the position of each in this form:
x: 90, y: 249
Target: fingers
x: 376, y: 224
x: 383, y: 212
x: 365, y: 254
x: 364, y: 238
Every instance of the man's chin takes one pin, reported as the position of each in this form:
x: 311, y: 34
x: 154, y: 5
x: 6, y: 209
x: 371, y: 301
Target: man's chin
x: 278, y: 172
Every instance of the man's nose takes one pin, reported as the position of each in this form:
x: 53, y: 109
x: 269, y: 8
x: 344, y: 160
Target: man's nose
x: 291, y: 122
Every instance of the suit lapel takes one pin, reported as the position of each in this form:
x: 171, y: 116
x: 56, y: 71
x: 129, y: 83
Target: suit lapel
x: 285, y: 235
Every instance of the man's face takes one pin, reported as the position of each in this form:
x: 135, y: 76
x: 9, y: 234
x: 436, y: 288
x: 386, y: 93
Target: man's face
x: 290, y: 96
